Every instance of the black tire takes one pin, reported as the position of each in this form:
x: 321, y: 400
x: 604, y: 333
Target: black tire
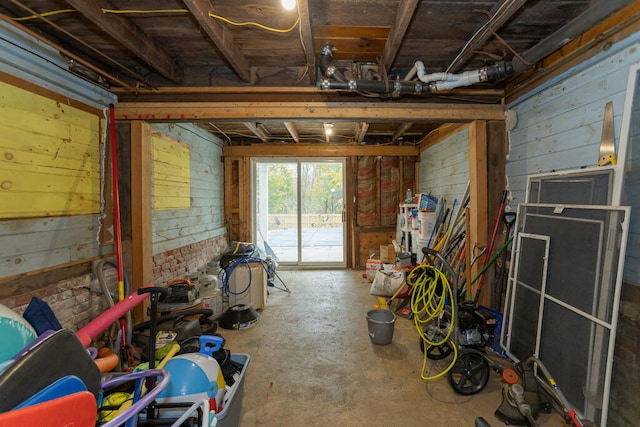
x: 436, y: 331
x: 438, y: 352
x: 470, y: 374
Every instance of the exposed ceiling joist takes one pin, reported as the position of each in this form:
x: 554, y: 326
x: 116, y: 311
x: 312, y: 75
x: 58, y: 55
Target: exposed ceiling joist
x: 126, y: 87
x: 306, y: 31
x: 501, y: 14
x: 361, y: 131
x: 213, y: 56
x: 400, y: 131
x: 258, y: 131
x: 221, y: 37
x: 406, y: 10
x: 130, y: 36
x: 321, y: 150
x: 320, y: 111
x: 291, y: 128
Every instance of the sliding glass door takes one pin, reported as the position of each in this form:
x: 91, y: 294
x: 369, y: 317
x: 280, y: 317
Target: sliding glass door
x: 299, y: 217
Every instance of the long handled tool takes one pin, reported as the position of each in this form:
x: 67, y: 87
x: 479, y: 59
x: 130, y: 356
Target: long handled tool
x: 124, y: 345
x: 490, y: 247
x: 116, y: 203
x: 509, y: 219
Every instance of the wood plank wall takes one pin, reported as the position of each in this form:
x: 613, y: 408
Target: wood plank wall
x: 203, y: 216
x: 560, y: 128
x: 51, y: 181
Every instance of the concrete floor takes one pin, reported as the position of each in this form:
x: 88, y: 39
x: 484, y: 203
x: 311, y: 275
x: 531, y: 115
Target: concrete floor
x: 312, y: 363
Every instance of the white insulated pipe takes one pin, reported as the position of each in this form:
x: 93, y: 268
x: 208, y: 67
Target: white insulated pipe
x: 444, y: 81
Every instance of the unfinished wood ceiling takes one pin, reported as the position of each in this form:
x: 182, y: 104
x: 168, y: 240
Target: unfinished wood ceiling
x: 164, y: 51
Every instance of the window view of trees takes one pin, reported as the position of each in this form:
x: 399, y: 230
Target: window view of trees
x: 299, y: 206
x: 320, y: 187
x: 282, y: 188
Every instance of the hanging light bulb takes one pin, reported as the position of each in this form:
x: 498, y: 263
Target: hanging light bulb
x: 289, y: 4
x: 328, y: 128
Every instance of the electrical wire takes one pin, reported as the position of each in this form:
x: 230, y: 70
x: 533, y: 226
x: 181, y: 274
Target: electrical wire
x: 54, y: 12
x: 212, y: 15
x: 132, y: 11
x: 256, y: 24
x: 431, y: 293
x: 128, y: 11
x: 35, y: 15
x: 247, y: 259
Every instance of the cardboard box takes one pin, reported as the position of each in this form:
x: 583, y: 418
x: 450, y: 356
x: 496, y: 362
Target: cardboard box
x: 388, y: 254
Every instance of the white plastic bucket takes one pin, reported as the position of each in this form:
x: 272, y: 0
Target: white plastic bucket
x: 415, y: 237
x: 426, y: 222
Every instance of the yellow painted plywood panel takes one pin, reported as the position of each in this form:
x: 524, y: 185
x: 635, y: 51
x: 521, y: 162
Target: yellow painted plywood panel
x: 48, y: 204
x: 24, y: 161
x: 171, y: 174
x: 49, y: 156
x: 32, y: 140
x: 167, y: 203
x: 16, y: 181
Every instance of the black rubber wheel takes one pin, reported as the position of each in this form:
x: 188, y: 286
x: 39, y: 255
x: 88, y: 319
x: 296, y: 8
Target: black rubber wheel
x: 435, y: 332
x: 470, y: 374
x: 438, y: 352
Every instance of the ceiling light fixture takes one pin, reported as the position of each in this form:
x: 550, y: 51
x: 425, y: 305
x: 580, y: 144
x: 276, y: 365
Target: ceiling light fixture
x: 328, y: 128
x: 289, y: 4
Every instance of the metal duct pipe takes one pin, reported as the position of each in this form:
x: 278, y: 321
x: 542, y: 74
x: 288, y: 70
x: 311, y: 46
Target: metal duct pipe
x: 326, y: 66
x: 445, y: 81
x: 404, y: 87
x: 427, y: 82
x: 577, y: 26
x: 397, y: 87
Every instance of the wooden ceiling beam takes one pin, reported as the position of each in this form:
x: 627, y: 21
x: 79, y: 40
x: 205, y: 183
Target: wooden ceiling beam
x: 306, y: 31
x: 406, y: 10
x: 291, y: 128
x: 322, y: 150
x: 439, y: 134
x: 130, y: 36
x: 501, y: 14
x: 221, y: 37
x: 361, y: 131
x: 320, y: 111
x: 400, y: 131
x: 258, y: 131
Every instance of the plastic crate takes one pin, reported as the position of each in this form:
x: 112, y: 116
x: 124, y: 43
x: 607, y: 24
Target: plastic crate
x: 495, y: 345
x: 230, y: 414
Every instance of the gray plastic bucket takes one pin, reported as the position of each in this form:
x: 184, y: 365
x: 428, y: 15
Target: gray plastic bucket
x: 381, y: 324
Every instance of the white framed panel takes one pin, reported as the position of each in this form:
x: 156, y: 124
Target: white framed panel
x: 566, y: 286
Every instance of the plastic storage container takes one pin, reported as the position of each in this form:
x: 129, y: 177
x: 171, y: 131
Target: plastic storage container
x: 230, y: 414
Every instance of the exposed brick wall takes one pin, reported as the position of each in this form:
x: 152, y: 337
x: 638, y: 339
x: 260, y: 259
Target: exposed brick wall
x: 78, y: 300
x: 186, y: 260
x: 625, y: 384
x: 74, y: 301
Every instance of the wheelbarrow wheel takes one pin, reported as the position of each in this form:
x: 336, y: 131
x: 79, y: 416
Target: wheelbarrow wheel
x: 470, y: 374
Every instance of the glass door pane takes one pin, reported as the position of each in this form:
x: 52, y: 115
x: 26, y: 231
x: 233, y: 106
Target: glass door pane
x: 299, y: 206
x: 321, y: 201
x: 276, y: 203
